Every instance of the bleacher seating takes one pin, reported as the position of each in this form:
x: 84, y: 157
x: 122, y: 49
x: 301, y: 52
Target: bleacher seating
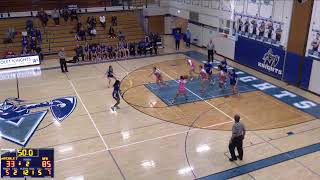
x: 55, y: 37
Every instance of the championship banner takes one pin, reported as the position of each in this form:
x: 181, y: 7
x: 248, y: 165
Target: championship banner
x: 260, y: 56
x: 313, y: 47
x: 19, y: 61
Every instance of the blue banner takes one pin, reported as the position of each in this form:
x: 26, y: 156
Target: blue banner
x: 291, y: 72
x: 262, y: 57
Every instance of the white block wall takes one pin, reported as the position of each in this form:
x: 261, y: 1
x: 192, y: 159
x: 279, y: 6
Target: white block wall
x: 314, y: 84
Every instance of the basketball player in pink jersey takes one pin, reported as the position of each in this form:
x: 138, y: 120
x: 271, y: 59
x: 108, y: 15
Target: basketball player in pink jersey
x: 222, y: 77
x: 192, y: 68
x: 203, y: 78
x: 181, y: 89
x: 159, y: 80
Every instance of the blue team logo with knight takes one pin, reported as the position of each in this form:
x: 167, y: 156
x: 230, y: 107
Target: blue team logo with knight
x: 270, y: 62
x: 19, y: 120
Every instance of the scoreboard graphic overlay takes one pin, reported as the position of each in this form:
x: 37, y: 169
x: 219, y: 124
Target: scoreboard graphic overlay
x: 27, y: 163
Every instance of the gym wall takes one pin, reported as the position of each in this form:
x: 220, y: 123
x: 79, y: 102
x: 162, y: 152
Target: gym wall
x: 313, y: 78
x: 156, y: 24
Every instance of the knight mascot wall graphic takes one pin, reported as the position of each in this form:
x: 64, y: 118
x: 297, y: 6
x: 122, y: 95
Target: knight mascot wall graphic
x: 19, y: 120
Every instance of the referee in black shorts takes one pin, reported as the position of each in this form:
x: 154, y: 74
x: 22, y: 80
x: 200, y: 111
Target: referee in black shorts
x: 238, y: 133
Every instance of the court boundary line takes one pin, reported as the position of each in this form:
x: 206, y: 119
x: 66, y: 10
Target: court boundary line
x: 165, y: 136
x: 146, y: 140
x: 201, y: 98
x: 89, y: 115
x: 264, y: 163
x: 168, y: 103
x: 95, y: 126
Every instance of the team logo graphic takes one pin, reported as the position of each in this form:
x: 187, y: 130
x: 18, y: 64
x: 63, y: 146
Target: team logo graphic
x: 270, y: 62
x: 18, y: 120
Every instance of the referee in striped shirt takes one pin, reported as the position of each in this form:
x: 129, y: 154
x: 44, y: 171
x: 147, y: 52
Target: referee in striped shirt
x: 238, y: 133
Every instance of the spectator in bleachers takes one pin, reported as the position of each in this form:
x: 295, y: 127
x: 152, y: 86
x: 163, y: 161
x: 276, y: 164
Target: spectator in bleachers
x: 38, y: 35
x: 155, y: 47
x: 111, y: 32
x: 24, y: 42
x: 102, y: 19
x: 82, y: 34
x: 56, y: 17
x: 132, y: 49
x: 74, y: 15
x: 88, y: 21
x: 93, y: 33
x: 115, y: 52
x: 24, y: 52
x: 121, y: 48
x: 9, y: 53
x: 32, y: 33
x: 104, y: 51
x: 93, y: 52
x: 121, y: 36
x: 65, y: 14
x: 126, y: 49
x: 43, y: 16
x: 33, y: 44
x: 87, y: 52
x: 114, y: 21
x: 99, y: 52
x: 188, y: 38
x: 29, y: 24
x: 79, y: 52
x: 109, y: 52
x: 39, y: 52
x: 78, y: 26
x: 142, y: 48
x: 93, y: 21
x: 146, y: 38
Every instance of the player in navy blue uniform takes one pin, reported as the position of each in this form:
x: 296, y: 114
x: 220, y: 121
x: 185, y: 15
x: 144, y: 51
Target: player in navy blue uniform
x: 234, y: 82
x: 224, y: 65
x: 116, y: 95
x: 208, y: 68
x: 110, y: 74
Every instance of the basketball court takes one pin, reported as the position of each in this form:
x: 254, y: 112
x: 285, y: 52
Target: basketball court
x: 150, y: 137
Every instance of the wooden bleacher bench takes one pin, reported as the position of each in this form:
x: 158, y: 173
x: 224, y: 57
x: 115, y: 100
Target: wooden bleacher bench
x: 56, y: 37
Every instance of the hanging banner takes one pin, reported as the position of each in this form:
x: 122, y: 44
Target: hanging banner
x: 262, y: 57
x: 19, y: 61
